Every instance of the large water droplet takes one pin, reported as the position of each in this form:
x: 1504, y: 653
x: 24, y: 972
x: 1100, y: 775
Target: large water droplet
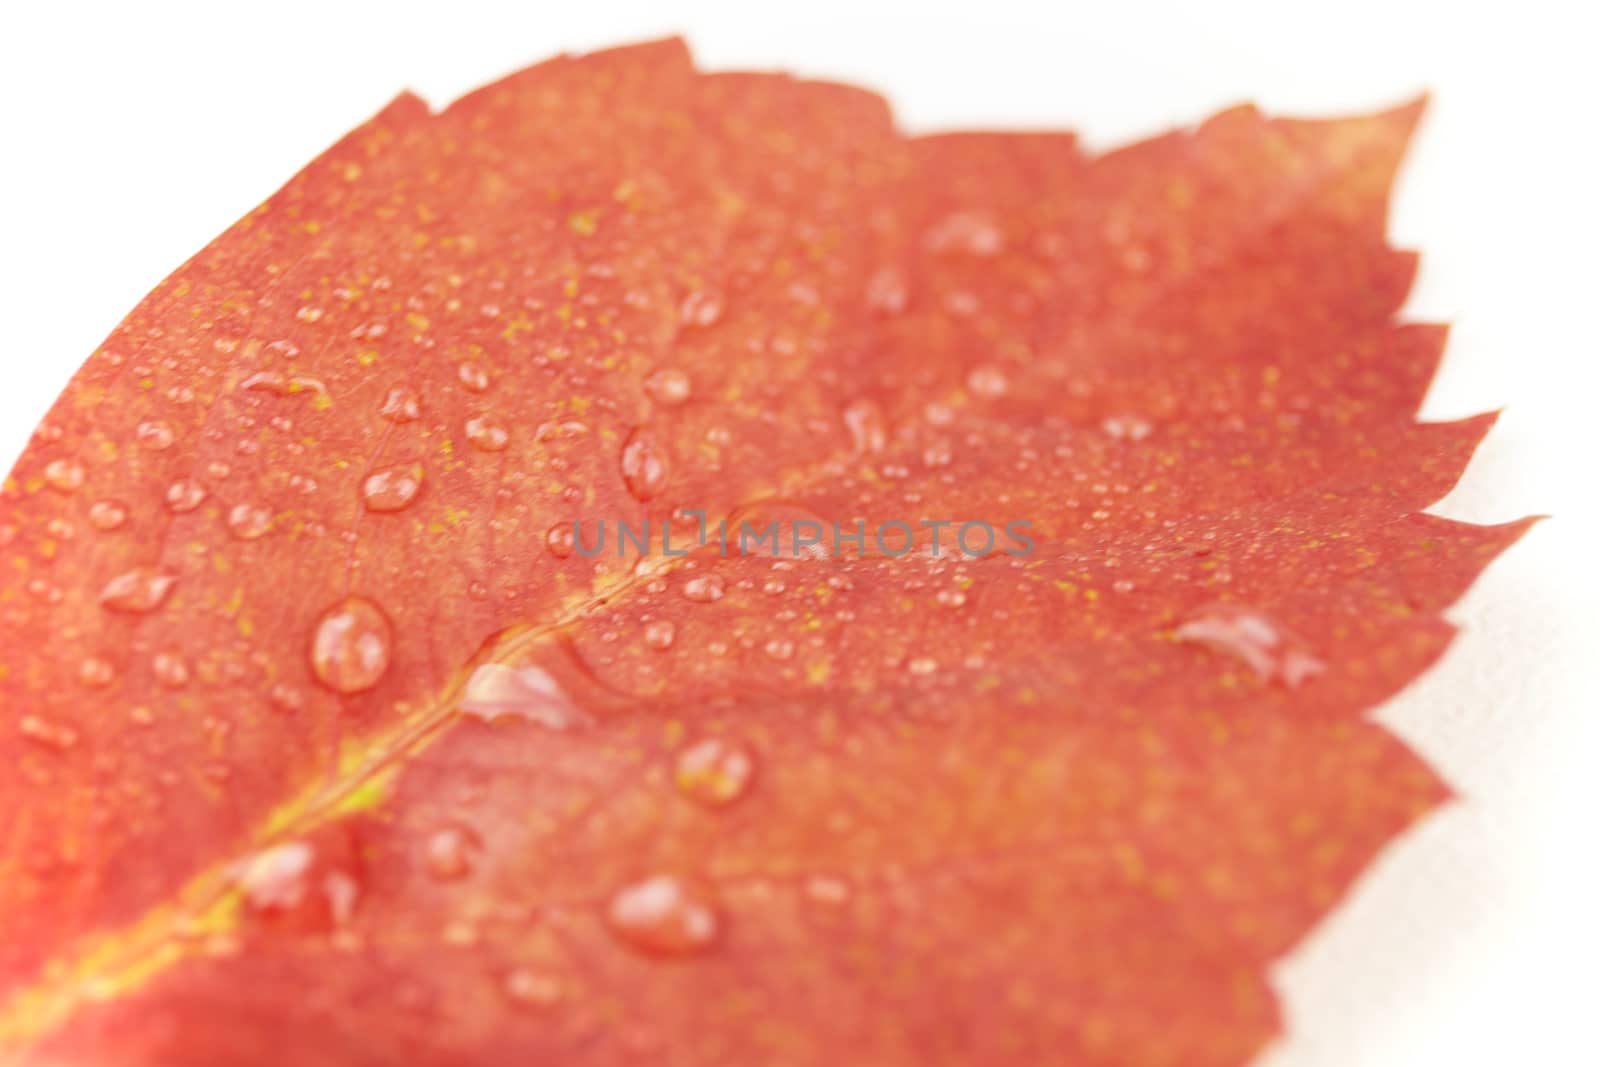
x: 668, y: 387
x: 495, y: 690
x: 644, y: 465
x: 137, y: 591
x: 64, y: 475
x: 664, y: 915
x: 392, y: 489
x: 1252, y: 636
x: 351, y: 645
x: 487, y: 434
x: 715, y: 771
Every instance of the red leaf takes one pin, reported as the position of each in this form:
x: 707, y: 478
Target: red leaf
x: 332, y: 743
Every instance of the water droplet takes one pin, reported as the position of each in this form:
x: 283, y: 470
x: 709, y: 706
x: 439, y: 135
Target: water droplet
x: 644, y: 465
x: 778, y: 648
x: 107, y: 514
x: 827, y: 890
x: 558, y: 539
x: 474, y: 377
x: 888, y: 292
x: 401, y: 404
x: 185, y: 495
x: 1127, y: 427
x: 487, y: 434
x: 451, y: 852
x: 47, y: 734
x: 660, y: 634
x: 1252, y: 636
x: 137, y: 591
x: 286, y: 698
x: 495, y: 690
x: 868, y: 431
x: 248, y: 522
x: 350, y: 645
x: 988, y: 380
x: 700, y: 308
x: 704, y: 588
x: 665, y: 916
x: 155, y: 435
x: 96, y: 673
x: 275, y: 879
x: 923, y: 665
x: 170, y: 670
x: 392, y: 489
x: 64, y: 475
x: 966, y: 231
x: 530, y: 988
x: 668, y: 387
x: 715, y: 771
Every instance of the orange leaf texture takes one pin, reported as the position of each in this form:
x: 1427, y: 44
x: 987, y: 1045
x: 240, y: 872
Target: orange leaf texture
x: 342, y: 728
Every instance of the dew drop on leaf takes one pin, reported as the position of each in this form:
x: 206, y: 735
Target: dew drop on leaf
x: 392, y: 489
x: 170, y: 670
x: 96, y: 673
x: 868, y: 432
x: 351, y: 645
x: 1126, y: 427
x: 64, y: 475
x: 450, y: 852
x: 704, y: 588
x: 715, y: 771
x: 249, y: 522
x: 401, y: 405
x: 107, y: 515
x: 668, y: 387
x: 184, y: 496
x: 559, y: 540
x: 47, y: 734
x: 530, y: 988
x: 487, y: 434
x: 137, y: 591
x: 495, y: 691
x: 664, y: 915
x: 660, y: 634
x: 155, y: 436
x: 1252, y: 636
x: 644, y: 465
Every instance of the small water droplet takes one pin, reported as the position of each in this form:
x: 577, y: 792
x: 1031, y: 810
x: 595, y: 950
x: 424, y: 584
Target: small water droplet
x: 107, y: 515
x: 559, y: 540
x: 450, y: 852
x: 700, y: 308
x: 64, y: 475
x: 401, y: 404
x: 474, y: 377
x: 530, y: 693
x: 868, y: 430
x: 644, y: 465
x: 350, y: 645
x: 668, y: 387
x: 1126, y: 427
x: 778, y: 648
x: 248, y: 522
x: 155, y: 435
x: 96, y: 673
x: 170, y: 670
x: 392, y: 489
x: 704, y: 588
x: 137, y: 591
x: 530, y: 988
x: 275, y: 879
x: 664, y: 915
x: 923, y: 665
x: 660, y: 634
x: 888, y: 292
x: 715, y: 771
x: 487, y: 434
x: 825, y: 889
x: 286, y: 698
x: 988, y: 380
x: 47, y: 734
x: 966, y: 231
x: 185, y: 495
x: 1252, y: 636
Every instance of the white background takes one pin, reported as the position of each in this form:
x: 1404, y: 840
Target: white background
x: 134, y: 134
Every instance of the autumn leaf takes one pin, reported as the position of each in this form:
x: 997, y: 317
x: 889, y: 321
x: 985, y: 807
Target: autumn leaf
x: 332, y: 737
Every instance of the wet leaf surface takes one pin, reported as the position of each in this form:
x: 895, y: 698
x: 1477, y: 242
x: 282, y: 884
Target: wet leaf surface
x: 328, y: 742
